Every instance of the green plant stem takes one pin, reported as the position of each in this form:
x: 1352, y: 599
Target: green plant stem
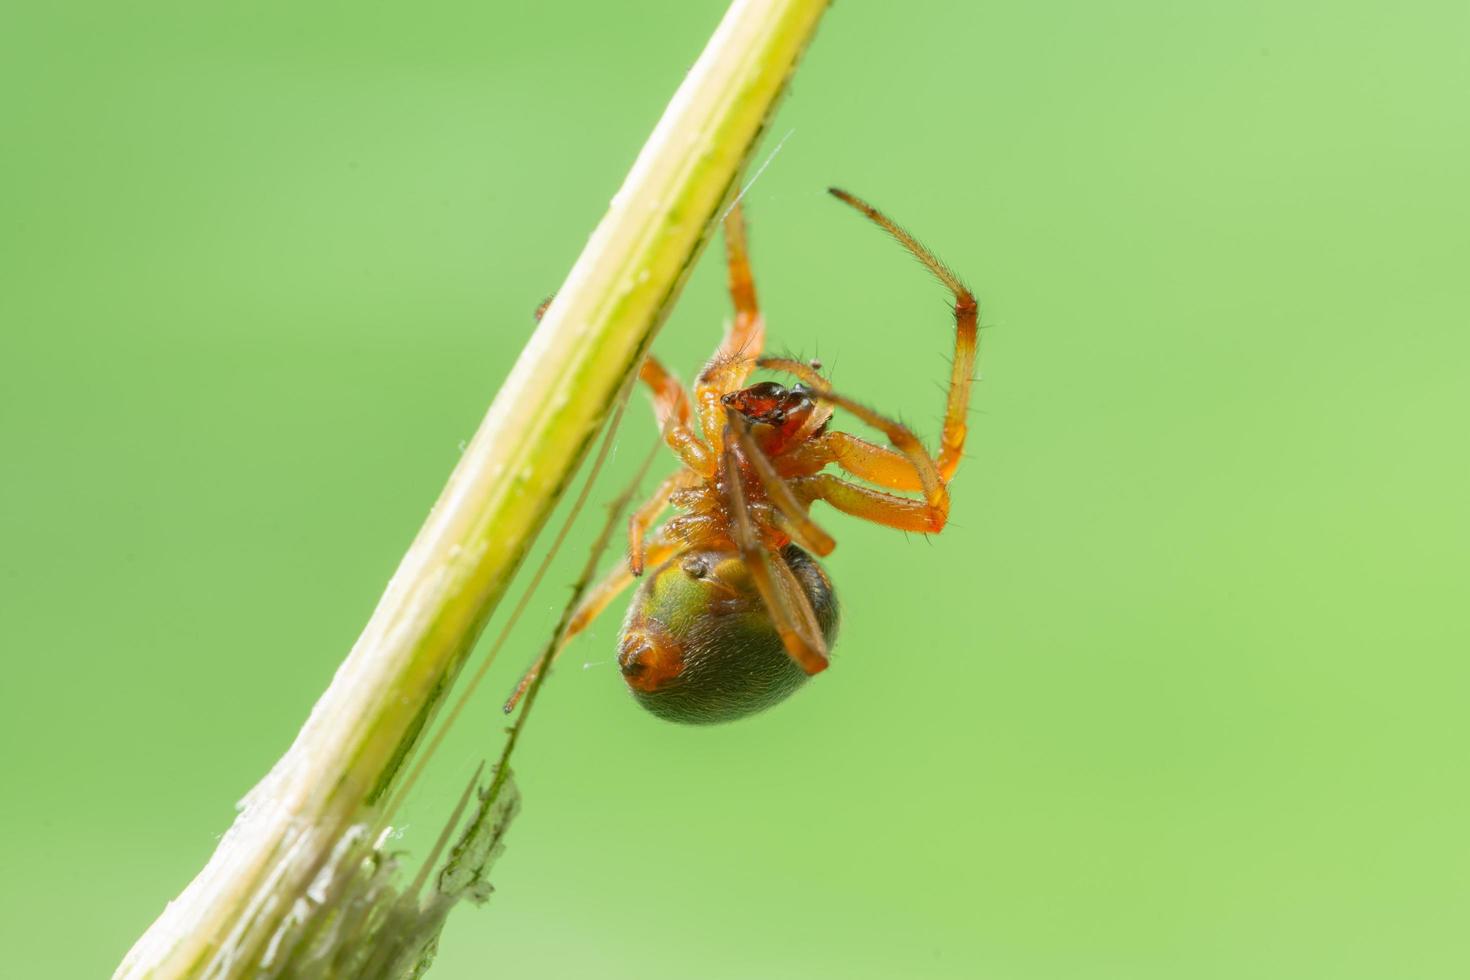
x: 351, y: 748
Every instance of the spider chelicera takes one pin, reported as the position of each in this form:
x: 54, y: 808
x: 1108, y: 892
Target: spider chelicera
x: 736, y: 612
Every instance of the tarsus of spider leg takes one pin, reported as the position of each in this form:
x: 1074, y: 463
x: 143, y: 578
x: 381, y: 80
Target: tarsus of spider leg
x: 904, y: 237
x: 579, y: 589
x: 966, y: 341
x: 757, y: 175
x: 474, y: 682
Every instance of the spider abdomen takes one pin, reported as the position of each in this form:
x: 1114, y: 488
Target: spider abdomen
x: 698, y: 645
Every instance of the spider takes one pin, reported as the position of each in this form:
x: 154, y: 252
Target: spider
x: 736, y: 612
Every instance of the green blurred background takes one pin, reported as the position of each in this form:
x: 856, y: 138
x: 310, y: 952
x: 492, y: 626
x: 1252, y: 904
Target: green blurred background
x: 1180, y: 693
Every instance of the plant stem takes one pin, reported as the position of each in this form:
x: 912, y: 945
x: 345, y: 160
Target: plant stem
x: 351, y: 748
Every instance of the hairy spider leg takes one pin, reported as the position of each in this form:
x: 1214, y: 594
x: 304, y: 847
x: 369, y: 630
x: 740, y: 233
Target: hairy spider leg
x: 671, y: 410
x: 744, y: 338
x: 644, y: 517
x: 790, y: 610
x: 863, y: 459
x: 910, y: 468
x: 936, y: 493
x: 890, y: 510
x: 966, y: 317
x: 811, y: 452
x: 807, y: 372
x: 659, y: 550
x: 803, y: 530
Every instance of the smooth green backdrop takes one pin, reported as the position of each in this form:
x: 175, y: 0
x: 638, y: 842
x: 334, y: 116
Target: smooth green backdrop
x: 1181, y: 693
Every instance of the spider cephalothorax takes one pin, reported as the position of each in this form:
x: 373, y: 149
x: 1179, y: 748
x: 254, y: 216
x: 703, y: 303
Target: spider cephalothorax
x: 779, y: 417
x: 736, y: 612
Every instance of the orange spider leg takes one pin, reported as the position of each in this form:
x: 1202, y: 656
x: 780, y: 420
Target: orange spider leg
x: 734, y: 359
x: 592, y: 605
x: 936, y: 494
x: 895, y: 470
x: 966, y: 316
x: 791, y: 613
x: 671, y: 409
x: 807, y: 372
x: 863, y: 459
x: 642, y: 519
x: 903, y: 513
x: 802, y: 528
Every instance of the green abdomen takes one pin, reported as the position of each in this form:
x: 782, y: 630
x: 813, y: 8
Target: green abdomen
x: 698, y: 645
